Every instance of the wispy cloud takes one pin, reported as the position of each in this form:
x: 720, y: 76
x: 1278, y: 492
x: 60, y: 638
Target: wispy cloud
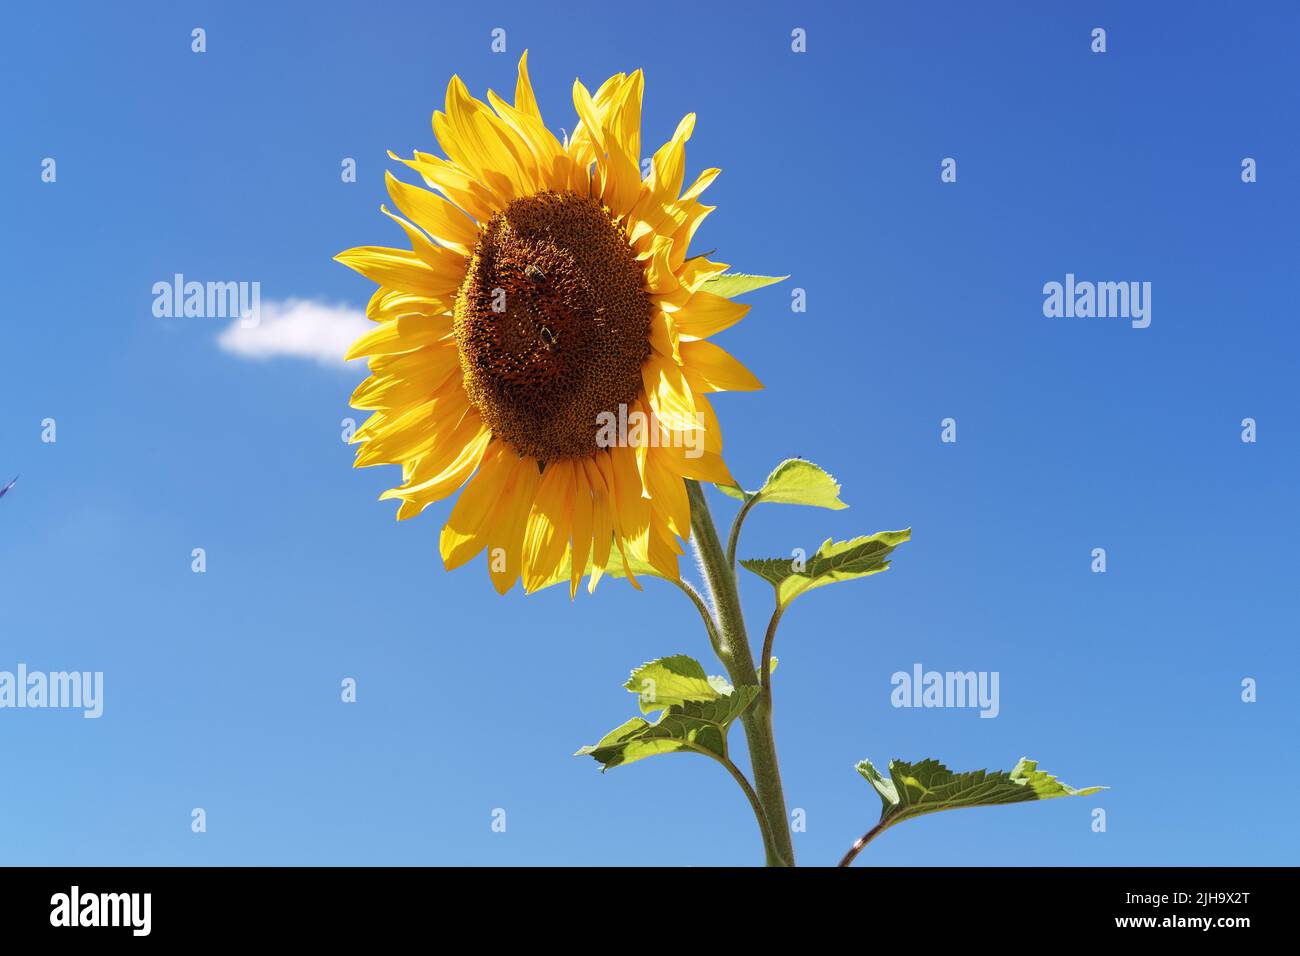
x: 297, y: 328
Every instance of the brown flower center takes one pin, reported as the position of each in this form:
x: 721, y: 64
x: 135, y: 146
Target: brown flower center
x: 552, y: 323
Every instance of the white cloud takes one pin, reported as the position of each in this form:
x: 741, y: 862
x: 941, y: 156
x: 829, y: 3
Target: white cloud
x: 297, y: 328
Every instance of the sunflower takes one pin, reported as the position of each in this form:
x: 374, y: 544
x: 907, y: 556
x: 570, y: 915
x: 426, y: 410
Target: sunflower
x: 547, y: 294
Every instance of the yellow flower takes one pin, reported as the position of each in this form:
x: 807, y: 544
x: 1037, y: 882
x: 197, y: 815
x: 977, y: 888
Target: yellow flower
x: 544, y: 343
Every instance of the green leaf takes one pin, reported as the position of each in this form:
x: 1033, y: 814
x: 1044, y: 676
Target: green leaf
x: 737, y: 283
x: 697, y: 712
x: 834, y: 561
x: 693, y: 726
x: 794, y: 482
x: 928, y: 787
x: 674, y: 680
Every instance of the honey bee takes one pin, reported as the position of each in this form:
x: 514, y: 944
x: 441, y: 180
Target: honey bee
x: 534, y: 273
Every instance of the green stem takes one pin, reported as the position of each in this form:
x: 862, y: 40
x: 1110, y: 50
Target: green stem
x: 768, y: 641
x: 711, y: 626
x: 764, y: 824
x: 734, y: 652
x: 705, y: 614
x: 734, y: 537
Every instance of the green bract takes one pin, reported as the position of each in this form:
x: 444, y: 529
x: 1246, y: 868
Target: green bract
x: 737, y: 283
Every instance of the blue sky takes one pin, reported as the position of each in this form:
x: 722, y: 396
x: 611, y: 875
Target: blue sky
x: 924, y: 302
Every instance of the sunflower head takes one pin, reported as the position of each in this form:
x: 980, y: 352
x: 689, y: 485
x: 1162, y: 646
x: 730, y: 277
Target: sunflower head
x: 543, y: 345
x: 552, y: 323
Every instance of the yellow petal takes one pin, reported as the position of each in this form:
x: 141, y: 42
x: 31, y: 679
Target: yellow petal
x: 435, y: 215
x: 717, y: 368
x: 441, y: 259
x: 455, y: 183
x: 668, y: 492
x: 633, y: 512
x: 664, y: 337
x: 699, y: 270
x: 670, y: 396
x: 388, y: 304
x: 619, y: 172
x: 402, y: 335
x: 478, y: 141
x: 662, y: 550
x: 707, y: 416
x: 706, y: 314
x: 620, y: 178
x: 693, y: 214
x: 668, y: 163
x: 591, y: 127
x: 624, y: 118
x: 659, y: 272
x: 552, y: 165
x: 506, y: 535
x: 399, y: 335
x: 465, y: 533
x: 667, y: 169
x: 604, y: 464
x: 525, y: 101
x: 404, y: 437
x: 401, y: 269
x: 702, y: 182
x: 549, y: 525
x: 428, y: 488
x: 583, y: 521
x: 707, y: 466
x: 388, y: 391
x: 602, y: 517
x: 407, y: 363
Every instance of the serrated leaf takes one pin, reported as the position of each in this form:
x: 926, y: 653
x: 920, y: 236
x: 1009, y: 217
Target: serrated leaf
x: 733, y: 284
x: 674, y: 680
x: 928, y: 787
x: 694, y: 726
x: 795, y: 481
x: 834, y: 561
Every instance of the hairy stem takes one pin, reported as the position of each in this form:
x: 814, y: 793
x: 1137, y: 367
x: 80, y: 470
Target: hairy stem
x: 709, y: 624
x: 764, y: 824
x: 768, y: 640
x: 736, y: 656
x: 734, y: 537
